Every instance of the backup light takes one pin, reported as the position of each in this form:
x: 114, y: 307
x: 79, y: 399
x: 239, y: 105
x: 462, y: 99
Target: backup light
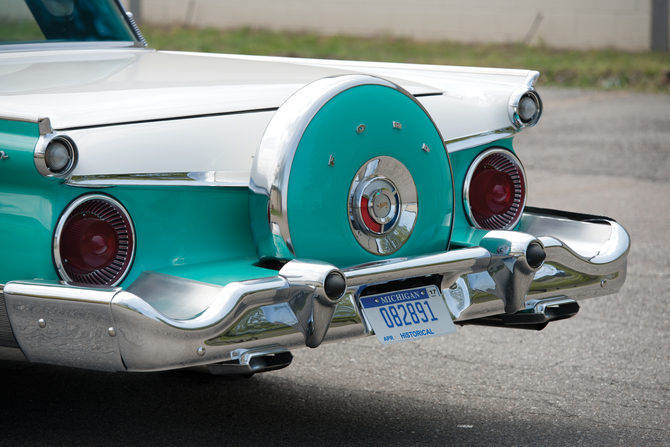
x: 55, y: 155
x: 58, y: 156
x: 528, y: 108
x: 525, y: 108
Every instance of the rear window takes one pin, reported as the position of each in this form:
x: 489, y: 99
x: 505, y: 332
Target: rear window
x: 26, y: 21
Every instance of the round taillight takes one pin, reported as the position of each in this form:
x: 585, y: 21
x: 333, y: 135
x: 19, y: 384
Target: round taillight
x: 495, y: 190
x: 94, y: 242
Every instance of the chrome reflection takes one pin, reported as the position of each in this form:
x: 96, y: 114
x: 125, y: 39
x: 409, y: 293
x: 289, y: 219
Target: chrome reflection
x: 479, y: 139
x: 383, y: 205
x: 202, y: 178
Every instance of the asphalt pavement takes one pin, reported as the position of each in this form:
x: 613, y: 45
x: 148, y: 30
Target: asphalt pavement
x: 599, y: 379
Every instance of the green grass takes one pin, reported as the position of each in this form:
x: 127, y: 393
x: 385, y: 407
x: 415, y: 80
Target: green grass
x: 601, y: 69
x: 20, y: 32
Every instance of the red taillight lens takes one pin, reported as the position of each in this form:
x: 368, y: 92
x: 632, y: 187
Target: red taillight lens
x: 495, y: 190
x: 94, y: 242
x: 89, y: 244
x: 492, y: 192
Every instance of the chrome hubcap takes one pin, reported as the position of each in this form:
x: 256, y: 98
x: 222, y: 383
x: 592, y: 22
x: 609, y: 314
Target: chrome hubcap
x: 382, y: 205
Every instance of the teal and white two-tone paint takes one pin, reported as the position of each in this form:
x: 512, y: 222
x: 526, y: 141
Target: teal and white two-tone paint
x: 172, y: 235
x: 310, y: 154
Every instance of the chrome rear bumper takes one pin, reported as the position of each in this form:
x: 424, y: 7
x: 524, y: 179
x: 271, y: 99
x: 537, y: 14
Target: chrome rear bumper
x: 118, y: 330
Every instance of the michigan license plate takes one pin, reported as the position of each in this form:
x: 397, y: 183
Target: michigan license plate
x: 408, y: 315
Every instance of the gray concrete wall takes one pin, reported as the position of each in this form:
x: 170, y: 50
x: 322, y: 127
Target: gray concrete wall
x: 623, y: 24
x: 14, y: 11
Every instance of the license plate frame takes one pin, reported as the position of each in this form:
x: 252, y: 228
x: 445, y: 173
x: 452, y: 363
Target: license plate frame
x: 410, y: 314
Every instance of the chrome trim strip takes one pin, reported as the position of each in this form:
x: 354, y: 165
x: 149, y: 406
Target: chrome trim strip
x: 273, y: 160
x: 43, y: 122
x: 53, y: 46
x: 112, y: 329
x: 466, y: 260
x: 204, y: 178
x: 531, y: 79
x: 479, y: 139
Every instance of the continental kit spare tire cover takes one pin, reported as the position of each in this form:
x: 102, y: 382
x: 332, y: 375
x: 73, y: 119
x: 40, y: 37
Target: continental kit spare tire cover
x: 351, y: 169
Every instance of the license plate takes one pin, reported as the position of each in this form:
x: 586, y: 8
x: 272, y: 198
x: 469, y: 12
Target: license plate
x: 408, y: 315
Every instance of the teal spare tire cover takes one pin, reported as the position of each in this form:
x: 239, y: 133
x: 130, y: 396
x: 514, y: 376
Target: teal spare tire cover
x: 368, y: 179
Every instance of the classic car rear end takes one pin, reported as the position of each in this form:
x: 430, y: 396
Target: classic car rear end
x: 174, y: 210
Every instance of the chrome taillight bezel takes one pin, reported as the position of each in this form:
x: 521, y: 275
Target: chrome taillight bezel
x: 513, y: 107
x: 100, y: 277
x: 521, y: 192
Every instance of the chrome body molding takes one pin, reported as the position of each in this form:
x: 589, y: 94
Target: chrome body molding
x: 57, y: 46
x: 205, y: 178
x: 114, y: 329
x: 531, y: 79
x: 274, y: 158
x: 480, y: 139
x: 44, y: 123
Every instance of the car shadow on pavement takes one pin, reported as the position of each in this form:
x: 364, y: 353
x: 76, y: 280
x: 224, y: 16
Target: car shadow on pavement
x: 49, y: 405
